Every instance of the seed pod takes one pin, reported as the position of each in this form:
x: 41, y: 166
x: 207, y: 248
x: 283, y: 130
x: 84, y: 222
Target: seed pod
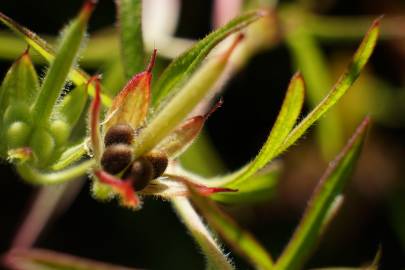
x: 116, y: 157
x: 159, y: 162
x: 120, y: 133
x: 140, y: 172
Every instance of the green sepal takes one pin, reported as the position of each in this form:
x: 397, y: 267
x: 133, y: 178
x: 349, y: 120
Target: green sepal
x: 20, y: 83
x: 100, y: 191
x: 19, y: 88
x: 130, y: 24
x: 57, y: 74
x: 183, y: 67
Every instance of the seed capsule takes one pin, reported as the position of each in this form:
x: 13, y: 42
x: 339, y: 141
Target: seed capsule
x: 159, y: 162
x: 116, y: 157
x: 140, y: 172
x: 120, y: 133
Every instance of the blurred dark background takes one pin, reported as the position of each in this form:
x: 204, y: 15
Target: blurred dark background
x: 372, y: 216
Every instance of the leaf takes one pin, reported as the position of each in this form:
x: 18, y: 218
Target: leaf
x: 183, y: 67
x: 183, y: 103
x: 309, y: 58
x: 61, y: 65
x: 35, y: 259
x: 132, y: 103
x: 322, y: 202
x: 216, y: 259
x: 130, y: 26
x: 285, y: 121
x: 77, y: 75
x: 240, y: 240
x: 360, y: 58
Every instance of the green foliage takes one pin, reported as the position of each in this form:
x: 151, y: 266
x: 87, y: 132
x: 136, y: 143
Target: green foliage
x: 282, y: 135
x: 322, y: 204
x: 37, y: 123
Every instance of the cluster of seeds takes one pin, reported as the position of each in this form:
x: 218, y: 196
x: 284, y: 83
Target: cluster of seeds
x: 118, y: 155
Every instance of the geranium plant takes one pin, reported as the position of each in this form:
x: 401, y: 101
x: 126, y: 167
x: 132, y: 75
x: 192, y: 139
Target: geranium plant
x: 133, y: 151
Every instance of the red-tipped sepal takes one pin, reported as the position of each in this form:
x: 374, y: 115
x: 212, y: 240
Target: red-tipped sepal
x: 131, y: 105
x: 183, y: 136
x: 123, y: 188
x: 171, y: 185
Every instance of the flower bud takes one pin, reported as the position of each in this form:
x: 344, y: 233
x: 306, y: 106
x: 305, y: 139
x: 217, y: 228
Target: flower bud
x: 17, y: 134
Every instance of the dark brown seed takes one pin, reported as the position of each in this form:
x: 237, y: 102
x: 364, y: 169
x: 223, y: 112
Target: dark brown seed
x: 159, y: 163
x: 120, y: 133
x: 141, y: 172
x: 116, y: 157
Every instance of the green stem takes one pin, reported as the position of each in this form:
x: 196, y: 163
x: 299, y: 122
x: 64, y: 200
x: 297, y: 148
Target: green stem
x: 215, y: 258
x: 37, y: 177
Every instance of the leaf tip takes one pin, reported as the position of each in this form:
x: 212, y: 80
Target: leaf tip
x: 377, y: 21
x: 217, y: 105
x: 87, y: 9
x: 152, y: 61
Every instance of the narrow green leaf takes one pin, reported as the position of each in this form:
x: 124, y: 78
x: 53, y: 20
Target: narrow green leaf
x: 216, y: 259
x: 360, y: 58
x: 34, y: 259
x: 130, y: 24
x: 77, y: 75
x: 347, y: 28
x: 322, y: 202
x: 183, y: 67
x: 183, y: 102
x: 285, y: 121
x: 57, y: 74
x: 240, y: 240
x: 309, y: 58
